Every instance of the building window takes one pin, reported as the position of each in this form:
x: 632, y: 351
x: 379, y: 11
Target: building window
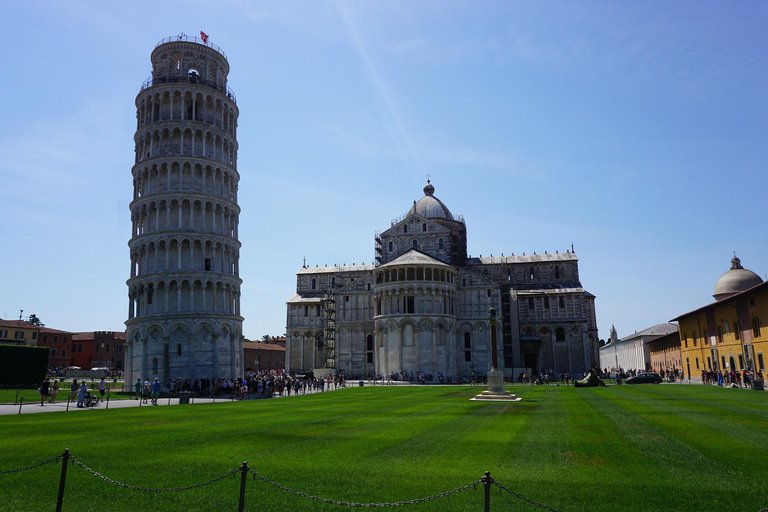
x: 439, y: 243
x: 178, y: 349
x: 546, y: 302
x: 346, y: 298
x: 369, y: 349
x: 467, y: 347
x: 756, y: 327
x: 208, y: 264
x: 149, y: 295
x: 561, y: 302
x: 559, y: 334
x: 53, y: 352
x: 488, y: 292
x: 736, y: 330
x: 317, y: 309
x: 760, y: 362
x: 55, y: 339
x: 19, y: 335
x: 741, y: 361
x: 557, y: 271
x: 405, y: 228
x: 306, y: 310
x: 410, y: 304
x: 531, y: 273
x: 424, y: 226
x: 530, y: 302
x: 314, y: 283
x: 720, y: 334
x: 63, y: 352
x: 390, y: 246
x: 697, y: 363
x: 119, y: 349
x: 415, y: 244
x: 107, y: 348
x: 34, y: 335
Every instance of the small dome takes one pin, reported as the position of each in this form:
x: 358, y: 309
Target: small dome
x: 736, y: 280
x: 429, y: 206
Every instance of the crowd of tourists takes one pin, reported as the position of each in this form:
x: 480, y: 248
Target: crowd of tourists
x: 733, y: 378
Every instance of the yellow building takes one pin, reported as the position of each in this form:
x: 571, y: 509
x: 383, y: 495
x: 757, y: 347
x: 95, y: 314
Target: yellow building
x: 731, y: 333
x: 18, y: 332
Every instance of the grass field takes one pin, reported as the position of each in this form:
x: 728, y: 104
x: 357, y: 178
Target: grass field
x: 625, y: 448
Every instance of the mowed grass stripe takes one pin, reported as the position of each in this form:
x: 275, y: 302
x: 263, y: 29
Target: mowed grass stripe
x: 687, y: 455
x: 712, y: 430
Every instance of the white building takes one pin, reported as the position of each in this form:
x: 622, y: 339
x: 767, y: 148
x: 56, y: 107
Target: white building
x: 632, y: 352
x: 184, y: 287
x: 424, y: 306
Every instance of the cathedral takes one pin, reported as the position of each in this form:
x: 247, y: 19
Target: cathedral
x: 424, y: 307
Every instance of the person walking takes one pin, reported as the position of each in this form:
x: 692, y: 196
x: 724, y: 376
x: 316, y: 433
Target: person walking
x: 137, y: 387
x: 54, y: 392
x: 44, y: 390
x: 73, y: 390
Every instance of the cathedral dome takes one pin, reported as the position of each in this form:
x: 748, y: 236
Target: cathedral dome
x: 735, y: 280
x: 429, y: 206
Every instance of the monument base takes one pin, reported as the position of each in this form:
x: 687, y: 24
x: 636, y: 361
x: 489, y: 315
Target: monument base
x: 495, y: 392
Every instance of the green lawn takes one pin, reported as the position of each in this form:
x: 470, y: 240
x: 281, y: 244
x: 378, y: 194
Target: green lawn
x: 619, y: 448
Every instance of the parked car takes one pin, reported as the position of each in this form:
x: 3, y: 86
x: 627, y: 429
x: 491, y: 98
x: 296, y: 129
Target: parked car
x: 645, y: 378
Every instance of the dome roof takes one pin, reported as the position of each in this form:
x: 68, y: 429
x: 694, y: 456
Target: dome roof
x: 736, y: 280
x: 429, y: 206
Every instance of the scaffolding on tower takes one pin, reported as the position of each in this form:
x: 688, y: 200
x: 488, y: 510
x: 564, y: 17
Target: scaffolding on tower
x: 327, y: 345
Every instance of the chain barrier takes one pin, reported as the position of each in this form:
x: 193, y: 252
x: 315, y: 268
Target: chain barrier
x: 55, y: 459
x: 366, y: 505
x: 147, y: 489
x: 520, y: 496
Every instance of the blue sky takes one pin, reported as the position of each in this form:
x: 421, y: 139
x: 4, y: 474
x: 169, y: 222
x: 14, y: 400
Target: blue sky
x: 635, y: 130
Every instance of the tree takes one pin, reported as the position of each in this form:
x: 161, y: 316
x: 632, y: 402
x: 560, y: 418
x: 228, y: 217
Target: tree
x: 265, y: 338
x: 35, y: 321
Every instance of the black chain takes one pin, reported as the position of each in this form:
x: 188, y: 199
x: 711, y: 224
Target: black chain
x: 147, y: 489
x: 520, y: 496
x: 3, y: 471
x: 369, y: 505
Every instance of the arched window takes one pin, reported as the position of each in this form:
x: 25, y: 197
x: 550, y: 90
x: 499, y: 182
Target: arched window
x: 314, y: 283
x: 439, y: 243
x: 467, y: 347
x: 559, y: 334
x: 405, y: 228
x: 390, y: 246
x: 531, y: 273
x: 415, y: 244
x: 424, y: 226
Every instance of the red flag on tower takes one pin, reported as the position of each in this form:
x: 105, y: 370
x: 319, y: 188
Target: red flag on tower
x: 204, y: 37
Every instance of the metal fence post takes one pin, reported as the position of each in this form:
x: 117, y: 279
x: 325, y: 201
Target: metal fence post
x: 21, y: 404
x: 487, y: 481
x: 107, y: 407
x: 69, y: 398
x: 243, y: 478
x: 62, y: 481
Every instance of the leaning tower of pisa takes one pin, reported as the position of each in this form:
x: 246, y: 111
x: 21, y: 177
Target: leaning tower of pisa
x: 184, y: 288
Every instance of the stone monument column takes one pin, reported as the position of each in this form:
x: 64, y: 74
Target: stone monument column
x: 127, y: 383
x: 495, y: 392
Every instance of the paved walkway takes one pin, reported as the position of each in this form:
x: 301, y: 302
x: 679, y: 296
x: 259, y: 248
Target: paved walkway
x: 35, y: 407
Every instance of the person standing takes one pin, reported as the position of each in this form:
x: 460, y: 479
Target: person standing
x: 82, y: 394
x: 44, y: 390
x: 102, y: 389
x: 73, y: 390
x: 155, y: 391
x: 137, y: 387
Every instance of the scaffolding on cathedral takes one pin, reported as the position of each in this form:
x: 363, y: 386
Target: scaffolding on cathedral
x: 327, y: 342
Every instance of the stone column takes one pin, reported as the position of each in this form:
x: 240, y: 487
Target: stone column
x: 143, y: 342
x: 166, y: 362
x: 192, y: 367
x: 128, y: 376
